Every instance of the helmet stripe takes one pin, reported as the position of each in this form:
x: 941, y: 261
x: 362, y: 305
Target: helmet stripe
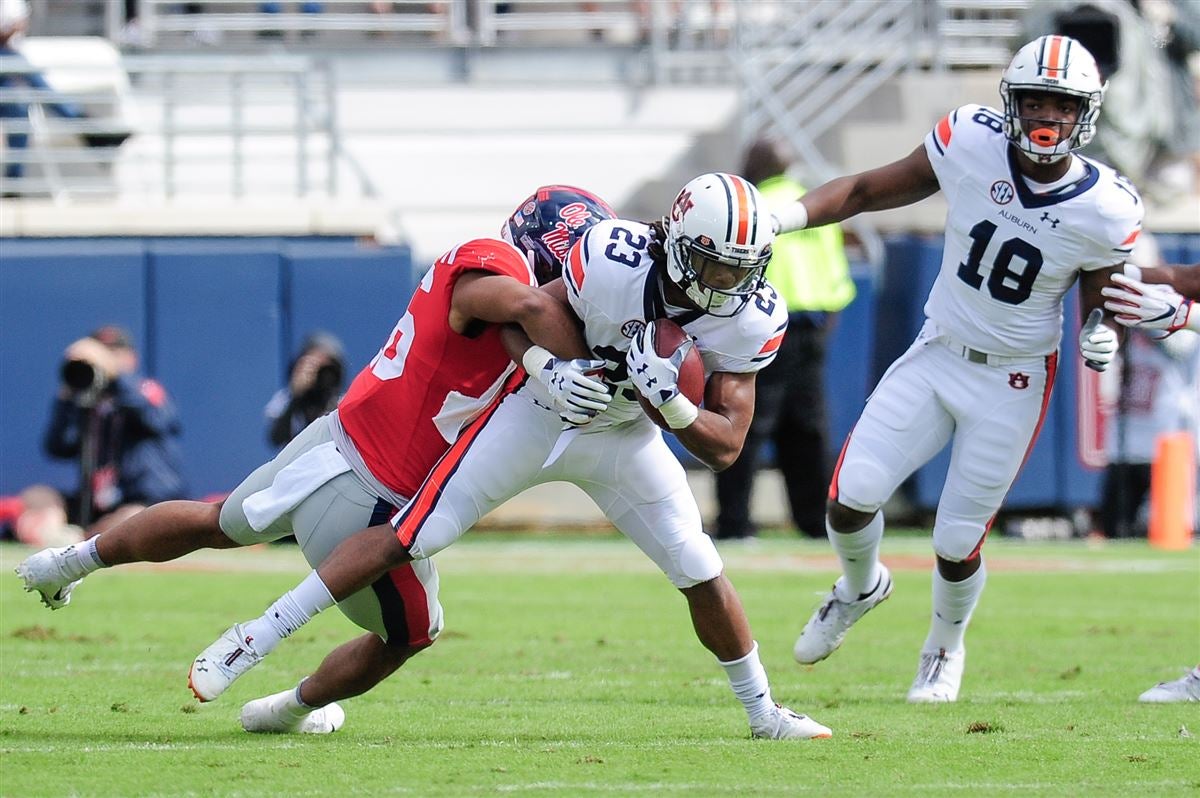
x: 729, y: 203
x: 1053, y: 63
x: 743, y: 211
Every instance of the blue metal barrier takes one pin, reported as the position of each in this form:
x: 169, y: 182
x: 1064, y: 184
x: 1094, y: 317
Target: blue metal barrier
x: 215, y: 320
x: 218, y: 320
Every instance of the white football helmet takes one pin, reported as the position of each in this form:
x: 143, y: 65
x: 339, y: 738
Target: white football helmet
x: 1054, y: 64
x: 719, y: 236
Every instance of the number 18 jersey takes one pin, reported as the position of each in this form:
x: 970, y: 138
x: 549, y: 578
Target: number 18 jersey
x: 1010, y: 253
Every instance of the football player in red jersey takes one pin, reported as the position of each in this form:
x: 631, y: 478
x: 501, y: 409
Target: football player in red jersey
x: 702, y: 267
x: 441, y: 367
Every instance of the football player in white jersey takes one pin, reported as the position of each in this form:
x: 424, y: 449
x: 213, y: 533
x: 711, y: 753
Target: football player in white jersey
x: 1027, y: 216
x: 703, y: 267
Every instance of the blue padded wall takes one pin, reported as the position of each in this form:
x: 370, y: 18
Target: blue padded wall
x: 217, y: 320
x: 355, y: 293
x: 211, y: 319
x: 215, y: 314
x: 52, y: 293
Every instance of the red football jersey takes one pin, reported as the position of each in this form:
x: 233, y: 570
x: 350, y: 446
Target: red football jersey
x: 407, y: 406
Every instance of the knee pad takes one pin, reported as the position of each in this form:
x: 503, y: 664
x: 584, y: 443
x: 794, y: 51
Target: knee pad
x: 861, y: 485
x: 696, y: 561
x: 956, y: 541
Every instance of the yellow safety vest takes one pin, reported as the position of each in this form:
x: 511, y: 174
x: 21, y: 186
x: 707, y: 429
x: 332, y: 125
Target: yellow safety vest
x: 808, y: 267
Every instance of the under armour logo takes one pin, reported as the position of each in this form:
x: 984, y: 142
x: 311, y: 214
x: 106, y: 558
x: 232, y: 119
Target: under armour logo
x: 1046, y: 218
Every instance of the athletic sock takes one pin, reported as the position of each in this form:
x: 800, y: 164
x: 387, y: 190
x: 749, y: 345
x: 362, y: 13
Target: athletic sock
x: 859, y: 553
x: 293, y: 609
x: 298, y: 698
x: 953, y: 603
x: 80, y: 559
x: 748, y: 679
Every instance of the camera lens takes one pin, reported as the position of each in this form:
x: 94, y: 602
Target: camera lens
x: 329, y: 377
x: 79, y: 375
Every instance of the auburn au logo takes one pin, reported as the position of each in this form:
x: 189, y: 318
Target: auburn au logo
x: 1018, y: 380
x: 682, y: 204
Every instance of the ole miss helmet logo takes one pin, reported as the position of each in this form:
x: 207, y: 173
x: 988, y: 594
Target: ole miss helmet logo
x: 1018, y: 380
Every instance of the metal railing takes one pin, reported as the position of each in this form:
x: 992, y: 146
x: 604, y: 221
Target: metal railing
x: 801, y: 75
x: 217, y: 116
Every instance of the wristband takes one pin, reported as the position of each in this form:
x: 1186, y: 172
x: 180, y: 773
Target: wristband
x: 678, y: 411
x: 793, y: 217
x: 535, y: 359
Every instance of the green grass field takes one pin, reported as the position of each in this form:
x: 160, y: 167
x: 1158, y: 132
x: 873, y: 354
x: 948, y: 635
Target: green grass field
x: 569, y: 668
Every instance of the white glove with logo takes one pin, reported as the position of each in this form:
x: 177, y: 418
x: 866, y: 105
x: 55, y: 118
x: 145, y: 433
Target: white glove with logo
x: 1147, y: 305
x: 1097, y: 342
x: 574, y: 385
x: 657, y: 378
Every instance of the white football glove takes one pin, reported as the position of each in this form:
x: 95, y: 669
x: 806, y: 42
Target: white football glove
x: 1097, y: 342
x: 574, y: 385
x: 657, y: 378
x: 1147, y: 305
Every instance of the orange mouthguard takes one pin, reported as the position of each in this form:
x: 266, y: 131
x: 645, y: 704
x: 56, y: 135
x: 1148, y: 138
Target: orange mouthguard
x: 1044, y: 136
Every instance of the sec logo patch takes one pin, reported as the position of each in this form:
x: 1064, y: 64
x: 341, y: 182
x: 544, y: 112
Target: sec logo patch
x: 1002, y: 192
x: 632, y: 327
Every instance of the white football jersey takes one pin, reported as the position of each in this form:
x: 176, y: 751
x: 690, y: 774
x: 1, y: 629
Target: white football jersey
x: 1011, y: 254
x: 612, y: 286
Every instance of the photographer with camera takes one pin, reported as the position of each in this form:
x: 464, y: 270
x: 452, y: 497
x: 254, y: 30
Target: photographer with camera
x: 120, y: 426
x: 315, y: 383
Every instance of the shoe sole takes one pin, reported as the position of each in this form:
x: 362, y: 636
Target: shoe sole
x: 886, y: 595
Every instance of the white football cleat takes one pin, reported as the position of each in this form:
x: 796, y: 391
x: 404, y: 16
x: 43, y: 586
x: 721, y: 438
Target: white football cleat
x: 222, y: 662
x: 827, y: 627
x: 783, y: 724
x: 939, y: 676
x: 46, y: 572
x: 1185, y: 688
x: 275, y: 714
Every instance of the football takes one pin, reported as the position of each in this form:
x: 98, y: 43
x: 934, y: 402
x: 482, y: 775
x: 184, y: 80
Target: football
x: 668, y: 337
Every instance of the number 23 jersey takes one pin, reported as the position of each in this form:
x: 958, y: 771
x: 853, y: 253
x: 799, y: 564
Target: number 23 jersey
x: 1011, y: 254
x: 613, y: 287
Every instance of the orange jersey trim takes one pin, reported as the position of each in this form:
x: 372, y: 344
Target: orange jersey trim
x: 575, y: 261
x: 944, y: 131
x: 771, y: 345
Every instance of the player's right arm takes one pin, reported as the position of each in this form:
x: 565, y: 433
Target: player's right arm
x: 899, y: 183
x: 498, y: 299
x: 1153, y: 301
x: 1184, y: 279
x: 540, y: 332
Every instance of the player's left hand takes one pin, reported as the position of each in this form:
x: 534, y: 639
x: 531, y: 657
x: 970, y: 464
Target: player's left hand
x: 656, y: 377
x: 1147, y: 305
x: 577, y: 389
x: 1097, y: 342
